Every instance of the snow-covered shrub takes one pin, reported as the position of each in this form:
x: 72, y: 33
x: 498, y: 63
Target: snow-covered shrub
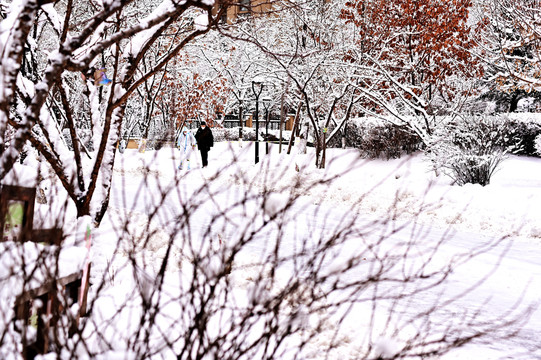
x: 353, y: 136
x: 232, y: 134
x: 248, y: 134
x: 379, y: 139
x: 470, y: 149
x: 538, y: 144
x: 389, y: 141
x: 525, y: 132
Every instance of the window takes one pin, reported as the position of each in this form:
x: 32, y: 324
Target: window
x: 244, y: 6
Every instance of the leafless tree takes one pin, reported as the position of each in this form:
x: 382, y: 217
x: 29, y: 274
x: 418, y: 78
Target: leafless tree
x: 509, y: 37
x: 78, y: 39
x: 302, y: 51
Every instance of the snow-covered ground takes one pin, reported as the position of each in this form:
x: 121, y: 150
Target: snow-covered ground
x: 509, y: 205
x: 404, y: 189
x: 423, y: 222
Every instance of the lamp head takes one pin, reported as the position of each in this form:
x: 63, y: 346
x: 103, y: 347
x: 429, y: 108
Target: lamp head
x: 257, y: 85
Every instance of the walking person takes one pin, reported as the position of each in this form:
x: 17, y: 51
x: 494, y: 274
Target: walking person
x: 186, y: 143
x: 205, y: 141
x: 122, y: 146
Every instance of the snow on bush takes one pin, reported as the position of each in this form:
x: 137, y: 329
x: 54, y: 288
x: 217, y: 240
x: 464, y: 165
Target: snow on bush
x: 232, y: 134
x: 377, y: 139
x: 525, y: 133
x: 538, y: 144
x: 469, y: 150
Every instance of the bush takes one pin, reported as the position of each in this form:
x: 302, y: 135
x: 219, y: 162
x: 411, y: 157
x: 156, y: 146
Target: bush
x: 538, y: 145
x: 248, y: 134
x: 525, y: 132
x: 232, y: 134
x: 389, y: 141
x: 469, y: 150
x: 378, y: 139
x: 353, y: 136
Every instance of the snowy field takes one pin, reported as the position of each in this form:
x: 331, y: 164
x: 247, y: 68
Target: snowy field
x: 504, y: 276
x: 510, y: 205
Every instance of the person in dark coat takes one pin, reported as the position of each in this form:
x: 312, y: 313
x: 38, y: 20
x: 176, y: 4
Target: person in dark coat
x: 205, y: 141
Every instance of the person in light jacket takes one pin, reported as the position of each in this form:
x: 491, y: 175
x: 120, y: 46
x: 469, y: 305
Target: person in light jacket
x: 205, y: 141
x: 186, y: 144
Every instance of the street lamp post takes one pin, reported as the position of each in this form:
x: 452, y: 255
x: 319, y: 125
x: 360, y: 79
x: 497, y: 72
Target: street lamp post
x: 259, y: 86
x: 266, y: 103
x: 240, y: 117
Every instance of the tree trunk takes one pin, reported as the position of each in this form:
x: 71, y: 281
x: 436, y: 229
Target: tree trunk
x: 296, y: 122
x: 324, y: 148
x: 514, y: 102
x: 282, y: 113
